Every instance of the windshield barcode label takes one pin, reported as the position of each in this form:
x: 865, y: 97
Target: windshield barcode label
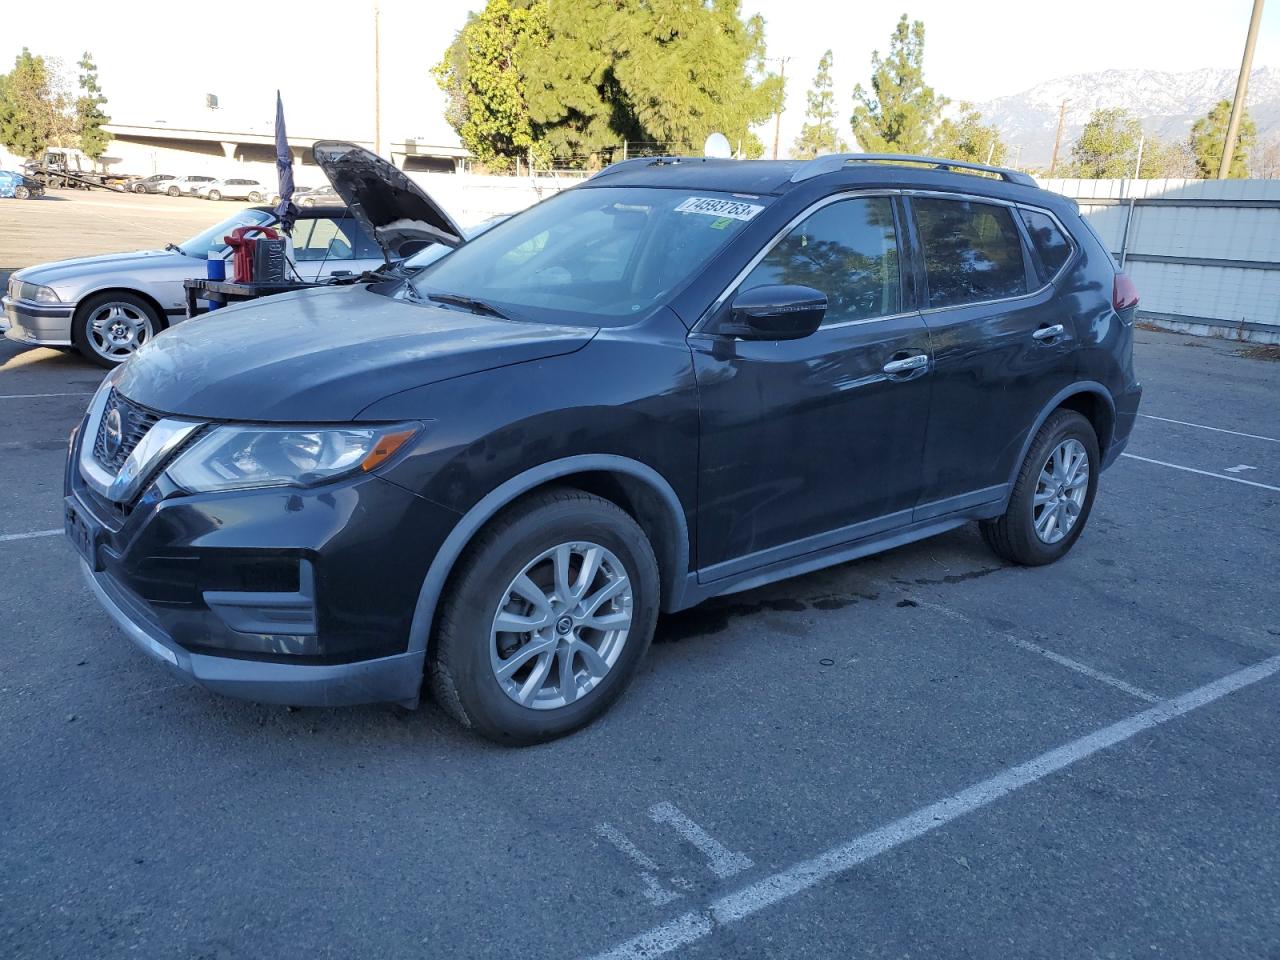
x: 734, y: 209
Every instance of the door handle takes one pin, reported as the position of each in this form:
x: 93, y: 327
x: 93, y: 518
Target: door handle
x: 906, y: 364
x: 1049, y: 333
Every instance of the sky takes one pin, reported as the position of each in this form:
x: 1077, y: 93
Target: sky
x: 156, y: 65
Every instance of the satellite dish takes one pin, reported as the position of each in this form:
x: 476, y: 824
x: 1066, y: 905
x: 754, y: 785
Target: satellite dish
x: 717, y: 147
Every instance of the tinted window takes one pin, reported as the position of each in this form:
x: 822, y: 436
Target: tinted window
x: 972, y: 251
x: 849, y: 251
x: 1053, y: 248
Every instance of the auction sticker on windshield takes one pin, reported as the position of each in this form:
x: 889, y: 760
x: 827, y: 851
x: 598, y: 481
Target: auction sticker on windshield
x: 712, y: 207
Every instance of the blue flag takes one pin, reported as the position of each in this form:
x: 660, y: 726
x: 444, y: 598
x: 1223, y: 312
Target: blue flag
x: 285, y: 209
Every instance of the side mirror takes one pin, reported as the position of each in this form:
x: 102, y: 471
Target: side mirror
x: 775, y: 312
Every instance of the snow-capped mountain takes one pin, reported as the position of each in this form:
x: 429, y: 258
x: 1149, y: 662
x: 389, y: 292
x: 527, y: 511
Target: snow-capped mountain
x: 1167, y: 104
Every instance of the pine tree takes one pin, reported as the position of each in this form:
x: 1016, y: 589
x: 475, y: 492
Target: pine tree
x: 819, y: 134
x: 900, y: 112
x: 1209, y: 136
x: 90, y: 117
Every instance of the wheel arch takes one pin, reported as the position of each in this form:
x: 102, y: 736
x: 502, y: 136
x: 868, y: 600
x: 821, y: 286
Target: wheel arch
x: 634, y: 486
x: 1086, y: 397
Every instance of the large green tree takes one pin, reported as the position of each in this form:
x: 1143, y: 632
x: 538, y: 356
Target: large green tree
x: 900, y: 111
x: 587, y: 76
x: 89, y: 115
x: 33, y: 108
x: 1107, y: 146
x: 819, y: 134
x: 481, y: 75
x: 1209, y: 136
x: 966, y: 137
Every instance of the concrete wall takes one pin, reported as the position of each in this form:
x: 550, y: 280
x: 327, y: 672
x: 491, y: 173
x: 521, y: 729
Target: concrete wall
x: 1205, y: 254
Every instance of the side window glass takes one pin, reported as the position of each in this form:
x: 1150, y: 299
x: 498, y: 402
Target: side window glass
x: 322, y: 239
x: 1052, y: 247
x: 849, y: 251
x: 972, y: 251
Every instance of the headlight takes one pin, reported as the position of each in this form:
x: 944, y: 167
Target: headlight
x: 240, y: 458
x: 22, y: 290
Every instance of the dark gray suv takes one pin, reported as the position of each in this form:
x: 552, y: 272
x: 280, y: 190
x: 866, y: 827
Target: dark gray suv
x: 681, y: 379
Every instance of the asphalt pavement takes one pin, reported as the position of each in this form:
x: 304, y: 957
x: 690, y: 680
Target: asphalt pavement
x: 925, y: 753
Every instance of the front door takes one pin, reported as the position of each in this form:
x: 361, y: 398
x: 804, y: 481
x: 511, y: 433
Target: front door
x: 1002, y: 347
x: 809, y: 443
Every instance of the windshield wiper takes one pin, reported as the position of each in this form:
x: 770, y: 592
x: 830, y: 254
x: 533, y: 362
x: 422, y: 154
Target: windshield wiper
x: 173, y: 246
x: 468, y: 303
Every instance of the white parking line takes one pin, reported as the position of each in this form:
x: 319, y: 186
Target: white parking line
x: 40, y: 396
x: 1070, y: 664
x: 1188, y: 423
x: 722, y: 861
x: 1203, y: 473
x: 775, y: 888
x: 5, y: 537
x: 653, y: 891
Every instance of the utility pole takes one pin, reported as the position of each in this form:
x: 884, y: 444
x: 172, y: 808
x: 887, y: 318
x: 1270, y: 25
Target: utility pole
x: 1057, y: 137
x: 1242, y: 85
x: 1137, y: 166
x: 377, y: 80
x: 777, y: 120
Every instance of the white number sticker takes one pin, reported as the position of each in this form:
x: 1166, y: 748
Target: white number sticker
x: 733, y: 209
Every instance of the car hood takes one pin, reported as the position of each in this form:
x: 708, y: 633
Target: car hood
x: 392, y: 208
x: 324, y: 355
x: 70, y: 271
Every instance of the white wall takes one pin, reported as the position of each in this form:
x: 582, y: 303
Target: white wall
x: 1205, y: 220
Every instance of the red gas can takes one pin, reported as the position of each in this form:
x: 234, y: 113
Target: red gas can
x: 242, y: 245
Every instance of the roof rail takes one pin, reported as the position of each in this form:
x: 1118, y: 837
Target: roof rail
x: 836, y: 161
x: 633, y: 162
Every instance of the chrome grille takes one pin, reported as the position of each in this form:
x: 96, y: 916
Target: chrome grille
x: 135, y: 422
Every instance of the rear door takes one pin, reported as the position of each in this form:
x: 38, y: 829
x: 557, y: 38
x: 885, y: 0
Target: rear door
x: 1002, y: 346
x: 810, y: 443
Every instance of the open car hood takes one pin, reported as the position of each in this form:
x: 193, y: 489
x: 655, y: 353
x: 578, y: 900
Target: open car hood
x: 394, y: 210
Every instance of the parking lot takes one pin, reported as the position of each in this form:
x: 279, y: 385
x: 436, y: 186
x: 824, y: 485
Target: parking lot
x: 919, y: 754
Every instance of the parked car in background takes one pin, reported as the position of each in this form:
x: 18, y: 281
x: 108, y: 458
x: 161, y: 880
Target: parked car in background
x: 233, y: 188
x: 318, y: 196
x: 156, y: 183
x: 18, y: 186
x: 678, y: 380
x: 187, y: 186
x: 108, y: 307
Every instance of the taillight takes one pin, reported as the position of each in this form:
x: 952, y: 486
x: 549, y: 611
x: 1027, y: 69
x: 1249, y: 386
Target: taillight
x: 1124, y: 295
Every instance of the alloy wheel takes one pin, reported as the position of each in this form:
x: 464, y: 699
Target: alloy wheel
x: 116, y: 330
x: 1061, y: 489
x: 560, y: 625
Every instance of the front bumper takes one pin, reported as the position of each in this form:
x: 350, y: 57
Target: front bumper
x: 395, y: 678
x: 301, y: 596
x: 37, y: 324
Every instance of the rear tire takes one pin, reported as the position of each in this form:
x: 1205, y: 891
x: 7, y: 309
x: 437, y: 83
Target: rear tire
x: 519, y: 555
x: 1052, y: 496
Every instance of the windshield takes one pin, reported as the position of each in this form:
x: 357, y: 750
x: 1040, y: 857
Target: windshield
x: 603, y: 252
x: 211, y: 240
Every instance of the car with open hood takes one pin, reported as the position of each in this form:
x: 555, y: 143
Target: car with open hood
x: 680, y: 379
x: 109, y: 306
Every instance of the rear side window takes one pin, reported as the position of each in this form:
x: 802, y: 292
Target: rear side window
x: 849, y: 251
x: 1053, y: 248
x: 972, y: 251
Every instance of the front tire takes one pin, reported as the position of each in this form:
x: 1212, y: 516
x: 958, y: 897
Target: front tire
x: 173, y: 191
x: 1053, y: 495
x: 255, y: 197
x: 549, y: 612
x: 214, y: 195
x: 110, y: 327
x: 22, y: 193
